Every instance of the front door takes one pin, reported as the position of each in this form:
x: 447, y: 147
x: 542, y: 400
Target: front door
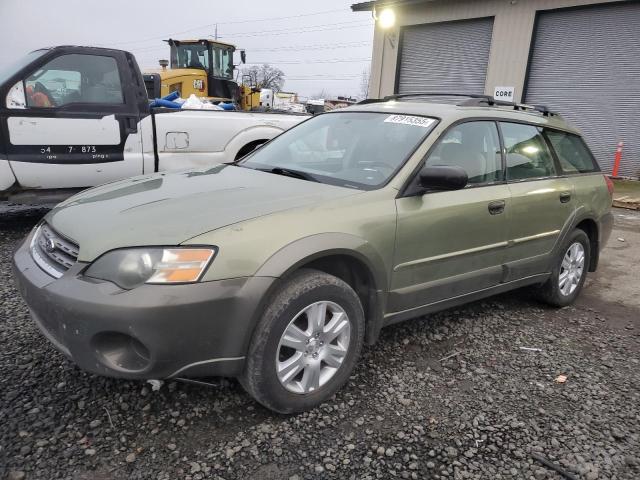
x: 453, y: 243
x: 72, y: 120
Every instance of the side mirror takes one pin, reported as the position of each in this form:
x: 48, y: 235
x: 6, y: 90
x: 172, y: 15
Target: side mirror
x: 443, y: 177
x: 243, y: 56
x: 15, y: 97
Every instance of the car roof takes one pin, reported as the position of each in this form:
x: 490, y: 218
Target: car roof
x: 451, y: 113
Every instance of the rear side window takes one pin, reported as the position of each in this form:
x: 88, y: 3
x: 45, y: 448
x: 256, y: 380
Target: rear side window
x: 573, y: 154
x: 527, y: 153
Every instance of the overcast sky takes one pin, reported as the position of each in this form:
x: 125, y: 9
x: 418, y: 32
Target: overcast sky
x: 320, y: 45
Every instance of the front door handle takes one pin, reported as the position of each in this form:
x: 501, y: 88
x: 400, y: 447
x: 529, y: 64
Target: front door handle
x: 497, y: 207
x: 565, y: 197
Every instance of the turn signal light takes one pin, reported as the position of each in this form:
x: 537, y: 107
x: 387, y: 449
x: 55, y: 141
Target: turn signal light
x: 181, y: 265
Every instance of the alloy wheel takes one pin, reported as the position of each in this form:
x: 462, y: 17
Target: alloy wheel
x: 571, y: 269
x: 313, y: 347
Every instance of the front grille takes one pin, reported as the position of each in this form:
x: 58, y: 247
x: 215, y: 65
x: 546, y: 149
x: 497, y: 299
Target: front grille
x: 52, y: 252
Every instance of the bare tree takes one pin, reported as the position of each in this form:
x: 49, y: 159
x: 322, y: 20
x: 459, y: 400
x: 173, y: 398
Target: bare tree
x: 364, y: 83
x: 265, y: 76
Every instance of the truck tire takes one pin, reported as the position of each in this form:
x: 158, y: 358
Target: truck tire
x: 569, y: 271
x: 306, y: 344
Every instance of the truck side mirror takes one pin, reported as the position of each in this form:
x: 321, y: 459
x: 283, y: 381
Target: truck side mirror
x: 243, y: 56
x: 443, y: 177
x: 16, y: 97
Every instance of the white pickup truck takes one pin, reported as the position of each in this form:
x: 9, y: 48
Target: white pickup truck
x: 73, y: 117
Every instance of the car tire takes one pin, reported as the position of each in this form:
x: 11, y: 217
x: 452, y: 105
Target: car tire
x: 554, y: 291
x: 281, y: 369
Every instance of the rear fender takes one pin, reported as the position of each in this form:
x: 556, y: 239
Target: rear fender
x: 250, y: 135
x: 579, y: 215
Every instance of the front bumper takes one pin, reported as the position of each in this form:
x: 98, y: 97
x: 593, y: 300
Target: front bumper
x: 153, y: 331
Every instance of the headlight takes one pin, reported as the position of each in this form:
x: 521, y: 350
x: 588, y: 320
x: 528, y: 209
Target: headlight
x: 129, y: 268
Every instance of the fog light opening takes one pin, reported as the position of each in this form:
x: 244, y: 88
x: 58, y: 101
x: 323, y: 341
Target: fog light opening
x: 121, y: 352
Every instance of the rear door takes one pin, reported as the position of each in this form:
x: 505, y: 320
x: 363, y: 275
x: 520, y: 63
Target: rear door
x: 543, y: 201
x: 71, y: 119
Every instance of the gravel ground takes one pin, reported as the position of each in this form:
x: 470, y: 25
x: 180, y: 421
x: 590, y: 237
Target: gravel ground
x: 468, y: 393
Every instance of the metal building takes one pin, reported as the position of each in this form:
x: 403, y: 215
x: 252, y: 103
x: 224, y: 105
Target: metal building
x: 578, y: 57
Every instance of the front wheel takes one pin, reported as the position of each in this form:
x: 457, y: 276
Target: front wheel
x: 306, y: 344
x: 569, y: 272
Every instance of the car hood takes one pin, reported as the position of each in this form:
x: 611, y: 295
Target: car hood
x: 170, y: 208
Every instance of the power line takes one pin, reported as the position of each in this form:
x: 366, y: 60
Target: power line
x: 310, y: 29
x: 320, y: 46
x: 289, y: 48
x: 295, y: 79
x: 345, y: 76
x: 289, y: 31
x: 209, y: 25
x: 296, y: 62
x: 334, y: 25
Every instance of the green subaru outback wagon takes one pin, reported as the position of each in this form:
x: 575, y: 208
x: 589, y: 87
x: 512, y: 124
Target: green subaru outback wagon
x: 277, y: 269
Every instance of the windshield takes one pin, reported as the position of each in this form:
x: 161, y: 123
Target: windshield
x: 13, y: 68
x: 352, y: 149
x: 192, y: 55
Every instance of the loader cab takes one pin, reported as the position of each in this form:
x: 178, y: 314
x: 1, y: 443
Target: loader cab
x: 215, y: 62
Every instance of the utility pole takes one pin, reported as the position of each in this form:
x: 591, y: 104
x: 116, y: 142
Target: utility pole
x: 216, y: 35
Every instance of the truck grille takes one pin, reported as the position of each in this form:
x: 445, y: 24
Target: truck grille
x: 52, y: 252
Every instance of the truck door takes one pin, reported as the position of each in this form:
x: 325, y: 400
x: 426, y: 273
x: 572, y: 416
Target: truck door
x: 71, y: 119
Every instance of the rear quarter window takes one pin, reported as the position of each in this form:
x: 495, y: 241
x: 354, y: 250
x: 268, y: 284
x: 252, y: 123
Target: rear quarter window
x: 573, y: 154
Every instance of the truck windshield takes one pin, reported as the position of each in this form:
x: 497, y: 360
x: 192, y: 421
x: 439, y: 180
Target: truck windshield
x: 10, y: 70
x: 351, y: 149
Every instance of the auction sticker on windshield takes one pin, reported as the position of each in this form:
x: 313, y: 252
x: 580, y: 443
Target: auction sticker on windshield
x: 410, y: 120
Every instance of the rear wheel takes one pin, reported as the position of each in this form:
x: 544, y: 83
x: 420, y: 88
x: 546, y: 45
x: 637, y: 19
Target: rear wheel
x: 569, y: 272
x: 306, y: 344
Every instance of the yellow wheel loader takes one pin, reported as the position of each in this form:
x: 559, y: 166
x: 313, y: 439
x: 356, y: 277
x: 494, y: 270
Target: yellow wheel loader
x: 204, y: 68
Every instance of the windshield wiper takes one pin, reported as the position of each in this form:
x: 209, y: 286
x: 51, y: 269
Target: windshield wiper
x: 287, y: 172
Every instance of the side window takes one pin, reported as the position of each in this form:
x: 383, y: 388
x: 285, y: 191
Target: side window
x: 573, y: 154
x: 527, y: 153
x: 74, y: 78
x: 474, y: 146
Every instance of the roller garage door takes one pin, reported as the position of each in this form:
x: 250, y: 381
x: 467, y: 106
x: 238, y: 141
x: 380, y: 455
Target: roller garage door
x: 445, y: 57
x: 585, y: 64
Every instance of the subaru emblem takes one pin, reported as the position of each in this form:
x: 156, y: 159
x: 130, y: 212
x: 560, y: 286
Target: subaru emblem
x: 50, y: 245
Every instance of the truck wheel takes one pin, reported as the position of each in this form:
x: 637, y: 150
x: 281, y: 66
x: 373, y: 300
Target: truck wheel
x: 306, y: 343
x: 569, y: 272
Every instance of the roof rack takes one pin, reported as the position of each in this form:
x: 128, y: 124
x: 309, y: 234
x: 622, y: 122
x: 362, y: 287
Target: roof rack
x: 473, y: 100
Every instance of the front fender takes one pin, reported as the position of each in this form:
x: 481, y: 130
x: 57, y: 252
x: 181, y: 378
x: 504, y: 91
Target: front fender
x: 302, y: 251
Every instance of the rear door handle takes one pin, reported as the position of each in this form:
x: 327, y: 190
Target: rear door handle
x: 497, y: 207
x: 565, y: 197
